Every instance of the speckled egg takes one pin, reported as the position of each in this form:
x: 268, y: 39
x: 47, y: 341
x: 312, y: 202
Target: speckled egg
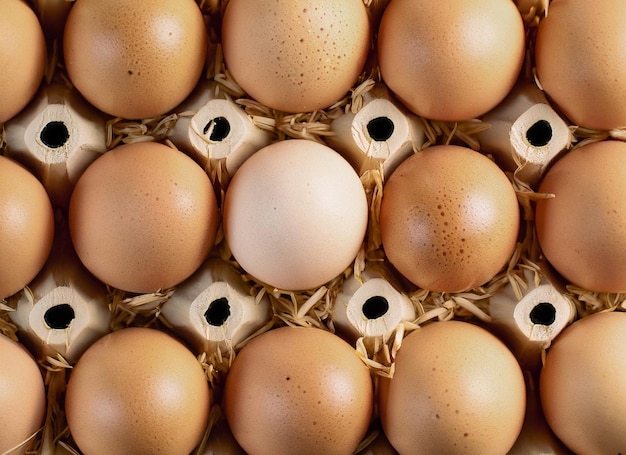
x: 456, y: 389
x: 298, y: 390
x: 451, y: 60
x: 135, y: 59
x: 579, y: 54
x: 137, y: 390
x: 449, y: 219
x: 582, y: 384
x: 297, y: 55
x: 143, y: 217
x: 582, y: 229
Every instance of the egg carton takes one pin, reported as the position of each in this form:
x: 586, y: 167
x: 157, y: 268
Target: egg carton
x: 227, y: 303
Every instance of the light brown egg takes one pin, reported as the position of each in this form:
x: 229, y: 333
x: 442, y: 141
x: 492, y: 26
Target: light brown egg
x: 143, y: 217
x: 137, y: 390
x: 26, y: 227
x: 449, y: 219
x: 582, y: 385
x: 22, y: 397
x: 582, y: 230
x: 452, y: 60
x: 135, y: 59
x: 296, y: 56
x: 23, y: 56
x: 579, y: 52
x: 456, y: 389
x: 298, y: 390
x: 295, y: 214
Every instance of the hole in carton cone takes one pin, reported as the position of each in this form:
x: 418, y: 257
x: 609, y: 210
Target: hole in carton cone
x: 218, y: 129
x: 539, y: 134
x: 59, y: 317
x: 218, y: 312
x: 380, y: 128
x: 375, y: 307
x: 543, y: 313
x: 54, y: 134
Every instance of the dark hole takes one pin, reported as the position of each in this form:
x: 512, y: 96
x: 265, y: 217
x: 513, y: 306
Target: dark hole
x: 54, y: 135
x: 59, y: 316
x: 543, y: 314
x: 221, y: 129
x: 380, y: 128
x: 540, y: 133
x: 218, y: 312
x: 375, y: 307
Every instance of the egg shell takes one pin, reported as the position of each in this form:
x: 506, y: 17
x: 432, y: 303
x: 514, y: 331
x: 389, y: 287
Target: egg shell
x: 26, y: 226
x: 135, y: 59
x: 456, y: 389
x: 139, y: 389
x: 143, y: 217
x: 298, y: 390
x: 580, y: 49
x: 308, y: 58
x: 582, y: 230
x: 23, y: 56
x: 582, y: 384
x: 452, y: 60
x: 295, y: 214
x: 449, y: 219
x: 22, y: 397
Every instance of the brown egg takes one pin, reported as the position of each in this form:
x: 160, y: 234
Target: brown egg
x: 139, y: 389
x: 296, y: 56
x: 295, y: 214
x: 135, y: 59
x: 143, y: 217
x: 449, y: 219
x: 582, y: 230
x: 579, y: 51
x: 23, y: 56
x: 298, y: 390
x: 26, y: 227
x: 451, y: 60
x: 456, y: 389
x: 582, y: 385
x: 22, y: 397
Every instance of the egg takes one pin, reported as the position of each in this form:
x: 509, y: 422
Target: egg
x: 579, y: 51
x: 23, y: 56
x: 456, y: 389
x: 582, y: 230
x: 26, y: 227
x: 582, y: 384
x: 449, y: 219
x: 298, y: 390
x: 295, y: 214
x: 451, y: 60
x: 139, y: 389
x: 143, y: 217
x: 22, y: 398
x: 296, y: 56
x: 135, y: 59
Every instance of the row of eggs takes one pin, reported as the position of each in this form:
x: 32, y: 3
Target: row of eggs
x: 149, y: 59
x: 141, y: 390
x: 262, y: 217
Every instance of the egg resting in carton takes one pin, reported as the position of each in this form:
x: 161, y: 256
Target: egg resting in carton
x: 312, y: 307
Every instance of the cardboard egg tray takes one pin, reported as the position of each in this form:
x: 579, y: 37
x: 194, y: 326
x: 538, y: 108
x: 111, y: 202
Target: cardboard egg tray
x: 314, y: 308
